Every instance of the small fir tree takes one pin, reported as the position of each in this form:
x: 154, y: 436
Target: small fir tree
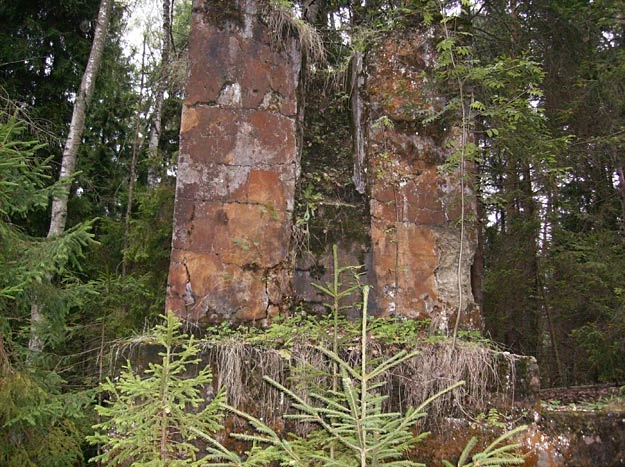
x: 152, y: 420
x: 39, y: 424
x: 354, y: 428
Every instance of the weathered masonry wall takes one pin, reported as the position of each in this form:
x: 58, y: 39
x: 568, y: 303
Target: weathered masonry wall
x: 236, y: 169
x: 416, y: 208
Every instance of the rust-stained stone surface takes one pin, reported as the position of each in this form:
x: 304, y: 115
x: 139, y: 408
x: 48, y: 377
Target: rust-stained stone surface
x: 415, y: 209
x: 318, y: 268
x: 238, y: 166
x: 236, y: 169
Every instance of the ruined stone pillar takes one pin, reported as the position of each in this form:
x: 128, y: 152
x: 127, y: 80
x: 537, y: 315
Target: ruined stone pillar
x: 236, y: 168
x: 415, y: 208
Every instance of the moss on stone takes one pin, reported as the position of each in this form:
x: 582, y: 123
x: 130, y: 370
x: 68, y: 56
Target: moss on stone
x: 340, y: 212
x: 221, y: 13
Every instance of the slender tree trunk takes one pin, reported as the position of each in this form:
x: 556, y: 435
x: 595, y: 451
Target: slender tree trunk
x: 58, y: 217
x: 357, y: 107
x: 529, y: 212
x: 77, y: 126
x: 621, y: 188
x: 477, y: 270
x: 133, y: 165
x: 161, y: 85
x: 551, y: 195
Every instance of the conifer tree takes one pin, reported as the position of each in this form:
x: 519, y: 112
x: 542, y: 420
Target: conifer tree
x: 59, y: 203
x: 39, y: 425
x: 153, y: 419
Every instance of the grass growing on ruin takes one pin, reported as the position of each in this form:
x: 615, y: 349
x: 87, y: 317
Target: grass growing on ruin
x: 287, y: 352
x: 350, y: 392
x: 283, y: 21
x: 348, y: 424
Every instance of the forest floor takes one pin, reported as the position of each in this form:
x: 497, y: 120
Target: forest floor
x: 592, y: 397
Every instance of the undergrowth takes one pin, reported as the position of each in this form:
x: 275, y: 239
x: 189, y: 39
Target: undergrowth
x: 287, y: 352
x: 352, y: 423
x: 288, y: 330
x: 348, y: 393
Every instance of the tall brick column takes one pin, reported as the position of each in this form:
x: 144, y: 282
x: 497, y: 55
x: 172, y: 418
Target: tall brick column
x: 418, y: 269
x: 236, y: 169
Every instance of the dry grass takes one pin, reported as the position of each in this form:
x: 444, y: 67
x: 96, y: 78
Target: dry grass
x: 441, y: 364
x: 282, y: 22
x: 241, y: 366
x: 129, y: 348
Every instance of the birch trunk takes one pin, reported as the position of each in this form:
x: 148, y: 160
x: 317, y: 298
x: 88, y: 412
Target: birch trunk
x: 58, y: 216
x: 161, y: 85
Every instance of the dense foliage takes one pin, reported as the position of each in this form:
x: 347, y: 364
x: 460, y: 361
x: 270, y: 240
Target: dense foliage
x: 40, y: 423
x: 555, y: 216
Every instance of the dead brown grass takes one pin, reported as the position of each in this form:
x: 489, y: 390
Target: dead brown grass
x: 282, y: 22
x: 488, y: 375
x: 240, y: 367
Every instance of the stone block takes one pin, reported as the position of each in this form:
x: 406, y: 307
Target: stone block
x: 417, y: 268
x: 236, y: 169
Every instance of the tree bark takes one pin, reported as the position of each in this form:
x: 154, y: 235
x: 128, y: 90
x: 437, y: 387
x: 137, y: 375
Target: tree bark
x: 357, y: 107
x: 161, y: 85
x: 77, y: 126
x: 58, y: 216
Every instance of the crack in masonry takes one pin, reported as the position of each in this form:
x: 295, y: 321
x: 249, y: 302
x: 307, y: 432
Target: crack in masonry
x: 189, y: 297
x: 241, y: 203
x: 266, y: 298
x: 224, y: 202
x: 260, y: 164
x: 243, y: 109
x: 190, y: 222
x: 195, y: 104
x: 263, y: 165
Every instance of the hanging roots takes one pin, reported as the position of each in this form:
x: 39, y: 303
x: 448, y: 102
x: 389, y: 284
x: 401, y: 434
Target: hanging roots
x: 488, y: 375
x: 240, y: 366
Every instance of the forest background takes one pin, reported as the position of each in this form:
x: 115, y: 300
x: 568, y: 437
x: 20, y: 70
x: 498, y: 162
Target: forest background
x: 547, y: 79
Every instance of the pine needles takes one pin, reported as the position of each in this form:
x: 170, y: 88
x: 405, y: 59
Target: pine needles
x: 341, y: 395
x: 353, y: 427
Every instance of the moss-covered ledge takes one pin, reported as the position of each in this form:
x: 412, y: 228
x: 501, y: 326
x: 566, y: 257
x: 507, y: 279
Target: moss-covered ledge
x: 501, y: 390
x: 287, y: 352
